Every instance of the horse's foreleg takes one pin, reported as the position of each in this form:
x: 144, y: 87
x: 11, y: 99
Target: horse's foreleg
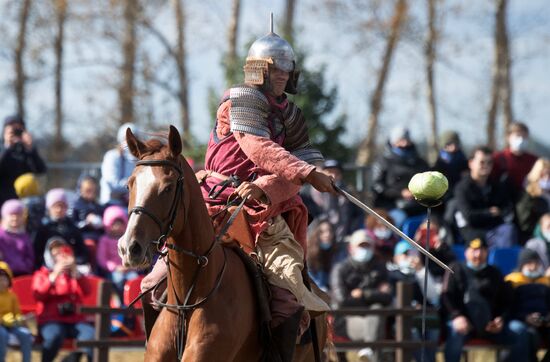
x: 161, y: 345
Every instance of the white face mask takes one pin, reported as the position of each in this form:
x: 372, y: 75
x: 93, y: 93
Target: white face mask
x: 362, y: 255
x: 546, y: 235
x: 544, y: 185
x: 533, y: 274
x: 518, y: 143
x: 382, y: 233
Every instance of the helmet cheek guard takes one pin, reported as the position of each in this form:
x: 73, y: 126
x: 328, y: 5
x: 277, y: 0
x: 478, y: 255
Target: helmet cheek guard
x: 292, y: 83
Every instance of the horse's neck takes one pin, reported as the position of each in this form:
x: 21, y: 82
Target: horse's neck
x: 197, y: 236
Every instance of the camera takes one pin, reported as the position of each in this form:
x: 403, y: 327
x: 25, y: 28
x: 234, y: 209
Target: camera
x: 66, y: 308
x: 18, y: 132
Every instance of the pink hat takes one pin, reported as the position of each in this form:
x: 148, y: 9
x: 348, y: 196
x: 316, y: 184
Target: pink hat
x: 54, y: 196
x: 13, y: 206
x: 113, y: 213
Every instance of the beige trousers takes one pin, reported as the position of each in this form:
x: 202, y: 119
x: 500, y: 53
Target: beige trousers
x: 283, y: 260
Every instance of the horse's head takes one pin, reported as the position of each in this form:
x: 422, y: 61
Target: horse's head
x: 155, y: 195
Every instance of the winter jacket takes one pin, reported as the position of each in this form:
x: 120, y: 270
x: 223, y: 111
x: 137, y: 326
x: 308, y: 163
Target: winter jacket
x: 64, y: 289
x: 68, y: 231
x: 349, y: 275
x: 81, y: 209
x: 529, y: 209
x: 14, y: 162
x: 513, y: 168
x: 17, y: 251
x: 529, y: 295
x: 391, y: 174
x: 452, y: 165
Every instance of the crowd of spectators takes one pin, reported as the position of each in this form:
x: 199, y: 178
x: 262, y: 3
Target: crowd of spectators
x: 495, y: 200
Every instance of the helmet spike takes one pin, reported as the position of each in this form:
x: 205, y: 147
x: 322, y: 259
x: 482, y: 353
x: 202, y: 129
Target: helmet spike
x: 271, y: 22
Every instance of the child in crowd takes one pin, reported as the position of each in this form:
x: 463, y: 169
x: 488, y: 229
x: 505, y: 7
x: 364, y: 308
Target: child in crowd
x: 439, y: 244
x: 28, y: 190
x: 11, y: 320
x: 58, y: 224
x: 115, y: 220
x: 15, y: 244
x: 87, y: 212
x: 60, y: 289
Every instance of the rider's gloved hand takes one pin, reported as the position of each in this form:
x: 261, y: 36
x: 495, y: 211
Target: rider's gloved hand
x: 250, y: 190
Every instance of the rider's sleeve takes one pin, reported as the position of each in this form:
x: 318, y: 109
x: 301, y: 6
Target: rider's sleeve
x: 273, y: 158
x: 276, y: 188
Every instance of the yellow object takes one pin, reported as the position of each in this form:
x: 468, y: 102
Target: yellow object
x: 26, y: 185
x: 430, y: 185
x: 517, y: 279
x: 6, y: 269
x: 10, y: 312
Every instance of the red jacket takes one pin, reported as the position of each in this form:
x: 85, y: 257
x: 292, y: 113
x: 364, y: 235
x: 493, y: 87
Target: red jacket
x: 49, y: 295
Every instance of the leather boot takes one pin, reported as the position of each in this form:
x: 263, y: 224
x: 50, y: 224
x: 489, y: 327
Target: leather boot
x: 285, y: 334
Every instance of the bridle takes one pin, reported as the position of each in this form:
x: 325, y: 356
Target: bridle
x: 161, y: 244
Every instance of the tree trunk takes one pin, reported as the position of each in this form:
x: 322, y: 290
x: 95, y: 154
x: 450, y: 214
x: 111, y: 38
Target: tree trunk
x: 501, y: 84
x: 231, y: 61
x: 20, y: 77
x: 126, y: 90
x: 429, y: 52
x: 288, y: 26
x: 367, y: 148
x: 505, y: 64
x: 61, y: 15
x: 182, y: 73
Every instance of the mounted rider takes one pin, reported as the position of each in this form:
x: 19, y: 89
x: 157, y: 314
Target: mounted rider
x: 261, y: 143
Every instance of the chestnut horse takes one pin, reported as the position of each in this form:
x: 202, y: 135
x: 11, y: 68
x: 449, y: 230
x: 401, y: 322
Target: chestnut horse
x: 211, y: 313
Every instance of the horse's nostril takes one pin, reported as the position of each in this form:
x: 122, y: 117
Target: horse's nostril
x: 134, y: 250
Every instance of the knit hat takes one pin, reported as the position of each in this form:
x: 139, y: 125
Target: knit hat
x: 360, y: 236
x: 526, y: 255
x: 402, y: 247
x: 14, y: 119
x: 52, y: 242
x: 121, y: 133
x: 13, y: 206
x: 477, y: 243
x: 6, y: 270
x: 54, y: 196
x: 26, y: 185
x: 113, y: 213
x: 449, y: 137
x: 399, y: 132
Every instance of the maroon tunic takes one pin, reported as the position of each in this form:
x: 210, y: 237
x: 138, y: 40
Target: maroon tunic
x: 278, y: 173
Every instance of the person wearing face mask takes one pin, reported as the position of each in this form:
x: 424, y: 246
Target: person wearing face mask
x: 531, y: 298
x: 476, y: 302
x: 360, y: 281
x: 541, y: 241
x: 384, y: 239
x: 323, y: 251
x: 514, y: 162
x: 451, y: 160
x: 17, y: 156
x: 535, y: 198
x: 391, y: 174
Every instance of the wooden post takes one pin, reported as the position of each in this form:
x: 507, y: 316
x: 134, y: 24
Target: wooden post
x: 403, y: 322
x: 103, y: 323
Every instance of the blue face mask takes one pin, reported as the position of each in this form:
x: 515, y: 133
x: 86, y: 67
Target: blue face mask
x: 402, y: 151
x: 474, y: 267
x: 446, y: 156
x: 362, y: 255
x: 533, y: 274
x: 325, y: 246
x: 544, y: 185
x: 405, y: 267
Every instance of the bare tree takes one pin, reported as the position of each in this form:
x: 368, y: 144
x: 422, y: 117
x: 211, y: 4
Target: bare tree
x: 288, y: 25
x: 61, y: 15
x: 429, y: 52
x: 232, y: 58
x: 367, y: 147
x: 180, y: 60
x: 20, y: 76
x: 126, y: 90
x: 501, y: 92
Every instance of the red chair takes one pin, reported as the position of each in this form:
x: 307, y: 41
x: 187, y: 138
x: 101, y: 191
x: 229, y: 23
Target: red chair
x: 131, y: 291
x: 22, y: 287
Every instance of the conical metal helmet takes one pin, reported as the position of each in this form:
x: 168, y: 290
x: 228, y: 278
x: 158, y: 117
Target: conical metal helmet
x: 275, y: 49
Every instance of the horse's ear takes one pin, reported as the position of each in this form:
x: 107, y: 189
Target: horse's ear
x: 135, y: 146
x: 174, y: 142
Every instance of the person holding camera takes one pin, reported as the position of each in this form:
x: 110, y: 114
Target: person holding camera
x: 59, y: 289
x: 531, y: 299
x: 17, y: 156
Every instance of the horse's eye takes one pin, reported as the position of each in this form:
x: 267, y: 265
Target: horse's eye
x: 166, y: 189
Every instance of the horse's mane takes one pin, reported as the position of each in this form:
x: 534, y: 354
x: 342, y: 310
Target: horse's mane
x: 155, y: 145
